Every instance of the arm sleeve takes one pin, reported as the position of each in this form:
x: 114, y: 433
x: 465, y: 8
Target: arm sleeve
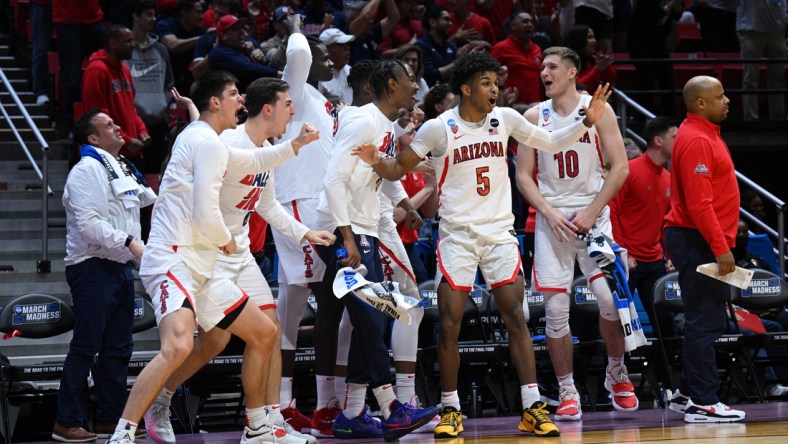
x: 299, y: 61
x: 87, y: 190
x: 342, y: 165
x: 260, y: 160
x: 699, y: 194
x: 529, y: 134
x: 210, y: 164
x: 394, y: 191
x: 277, y: 217
x: 431, y: 137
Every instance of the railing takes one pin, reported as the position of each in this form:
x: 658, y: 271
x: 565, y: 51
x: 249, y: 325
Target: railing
x: 624, y: 104
x: 44, y: 265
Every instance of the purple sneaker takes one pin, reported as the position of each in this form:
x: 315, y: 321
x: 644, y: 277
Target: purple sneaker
x: 405, y: 419
x: 362, y: 426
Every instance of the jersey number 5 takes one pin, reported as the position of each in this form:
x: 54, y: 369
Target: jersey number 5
x: 568, y: 164
x: 483, y: 181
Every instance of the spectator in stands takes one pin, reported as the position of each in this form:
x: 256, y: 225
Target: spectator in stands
x: 150, y: 68
x: 717, y: 21
x: 218, y: 9
x: 752, y: 202
x: 102, y: 198
x: 179, y: 33
x: 467, y: 26
x: 496, y: 11
x: 701, y: 228
x: 637, y: 213
x: 547, y: 30
x: 275, y: 48
x: 237, y: 54
x: 79, y: 29
x: 522, y: 57
x: 319, y: 15
x: 407, y: 30
x: 338, y: 46
x: 438, y: 99
x: 41, y: 24
x: 368, y: 31
x: 597, y: 15
x: 761, y: 29
x: 411, y: 55
x: 108, y: 85
x: 437, y: 51
x: 633, y: 150
x: 596, y: 65
x: 650, y: 27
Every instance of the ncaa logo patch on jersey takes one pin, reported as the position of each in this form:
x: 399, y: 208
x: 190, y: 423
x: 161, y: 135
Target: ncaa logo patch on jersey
x: 701, y: 169
x: 453, y: 125
x: 546, y: 114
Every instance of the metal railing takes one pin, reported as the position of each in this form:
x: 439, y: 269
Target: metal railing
x: 624, y: 104
x: 43, y: 265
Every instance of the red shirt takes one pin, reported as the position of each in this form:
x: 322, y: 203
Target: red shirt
x: 76, y: 12
x: 638, y: 210
x: 525, y: 64
x: 477, y: 22
x: 497, y: 13
x: 402, y: 33
x: 705, y: 192
x: 413, y: 183
x: 590, y: 76
x: 257, y: 228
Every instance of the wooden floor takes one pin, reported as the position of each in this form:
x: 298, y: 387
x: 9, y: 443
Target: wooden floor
x: 765, y: 424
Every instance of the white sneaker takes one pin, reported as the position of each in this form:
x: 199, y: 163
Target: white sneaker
x: 678, y: 403
x: 268, y: 433
x: 158, y: 425
x: 718, y: 412
x: 43, y: 99
x: 428, y: 427
x: 776, y: 390
x: 302, y: 437
x: 569, y: 409
x: 124, y: 438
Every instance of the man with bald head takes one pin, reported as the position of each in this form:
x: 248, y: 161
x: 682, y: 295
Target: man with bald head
x: 701, y: 228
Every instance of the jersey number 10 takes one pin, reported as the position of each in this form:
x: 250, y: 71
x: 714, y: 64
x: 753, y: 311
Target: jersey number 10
x: 568, y: 164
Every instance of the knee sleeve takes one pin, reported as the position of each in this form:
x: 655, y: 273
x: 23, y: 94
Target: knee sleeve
x: 405, y: 338
x: 343, y: 342
x: 604, y: 298
x: 290, y: 306
x: 557, y: 313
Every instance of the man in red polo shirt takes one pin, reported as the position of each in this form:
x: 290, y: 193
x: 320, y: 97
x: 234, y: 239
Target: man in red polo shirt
x: 638, y: 212
x: 523, y: 58
x: 700, y: 229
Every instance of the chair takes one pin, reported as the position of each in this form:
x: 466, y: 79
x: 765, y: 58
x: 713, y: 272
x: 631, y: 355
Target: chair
x: 34, y: 316
x: 688, y: 37
x: 144, y: 317
x: 760, y: 245
x: 766, y: 291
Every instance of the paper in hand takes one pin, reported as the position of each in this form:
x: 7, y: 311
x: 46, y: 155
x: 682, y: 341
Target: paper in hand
x: 740, y: 277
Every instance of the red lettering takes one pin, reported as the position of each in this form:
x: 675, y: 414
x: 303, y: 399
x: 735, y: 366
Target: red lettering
x: 163, y: 296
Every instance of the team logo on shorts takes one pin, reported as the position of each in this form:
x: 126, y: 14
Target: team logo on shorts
x: 453, y: 125
x: 163, y: 296
x: 363, y: 241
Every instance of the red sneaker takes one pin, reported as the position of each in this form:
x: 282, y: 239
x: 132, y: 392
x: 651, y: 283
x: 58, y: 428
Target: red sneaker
x: 621, y: 390
x: 296, y: 419
x: 323, y: 420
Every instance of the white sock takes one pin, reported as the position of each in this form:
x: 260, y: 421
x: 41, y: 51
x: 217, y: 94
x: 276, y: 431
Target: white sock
x: 354, y: 401
x: 566, y: 380
x: 125, y: 428
x: 274, y: 413
x: 325, y: 390
x: 385, y: 395
x: 286, y: 390
x: 450, y: 399
x: 340, y: 389
x: 164, y: 397
x: 613, y: 362
x: 255, y: 418
x: 529, y: 393
x: 406, y: 386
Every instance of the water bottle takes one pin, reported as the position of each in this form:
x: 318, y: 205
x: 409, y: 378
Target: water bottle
x: 341, y: 254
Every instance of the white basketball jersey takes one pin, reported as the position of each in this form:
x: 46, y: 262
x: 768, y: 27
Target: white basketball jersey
x: 473, y: 177
x: 574, y: 176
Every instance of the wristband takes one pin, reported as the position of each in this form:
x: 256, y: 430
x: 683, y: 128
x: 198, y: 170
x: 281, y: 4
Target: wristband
x: 586, y: 124
x: 129, y: 238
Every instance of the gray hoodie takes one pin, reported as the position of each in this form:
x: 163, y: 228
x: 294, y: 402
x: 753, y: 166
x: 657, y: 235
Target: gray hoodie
x: 150, y: 67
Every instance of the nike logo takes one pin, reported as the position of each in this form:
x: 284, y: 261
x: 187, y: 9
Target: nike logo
x: 458, y: 137
x: 343, y: 429
x: 546, y: 124
x: 366, y: 251
x: 136, y: 72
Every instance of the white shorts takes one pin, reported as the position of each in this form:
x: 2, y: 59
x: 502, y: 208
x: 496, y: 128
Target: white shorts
x: 395, y: 261
x: 247, y: 275
x: 554, y: 261
x: 299, y: 264
x: 460, y: 253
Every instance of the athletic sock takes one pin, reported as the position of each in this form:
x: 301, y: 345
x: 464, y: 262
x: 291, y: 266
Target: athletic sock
x: 385, y: 395
x: 566, y: 380
x: 325, y: 390
x: 450, y: 399
x: 286, y: 390
x: 354, y: 401
x: 529, y: 393
x: 406, y: 386
x: 255, y: 418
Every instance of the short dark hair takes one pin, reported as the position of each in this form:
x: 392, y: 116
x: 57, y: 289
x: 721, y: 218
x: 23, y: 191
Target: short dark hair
x: 434, y: 96
x: 139, y: 6
x: 184, y: 5
x: 657, y: 126
x: 360, y: 73
x: 113, y: 33
x: 564, y: 53
x: 84, y: 126
x: 263, y: 91
x: 433, y: 13
x: 470, y: 65
x: 383, y: 72
x: 211, y: 84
